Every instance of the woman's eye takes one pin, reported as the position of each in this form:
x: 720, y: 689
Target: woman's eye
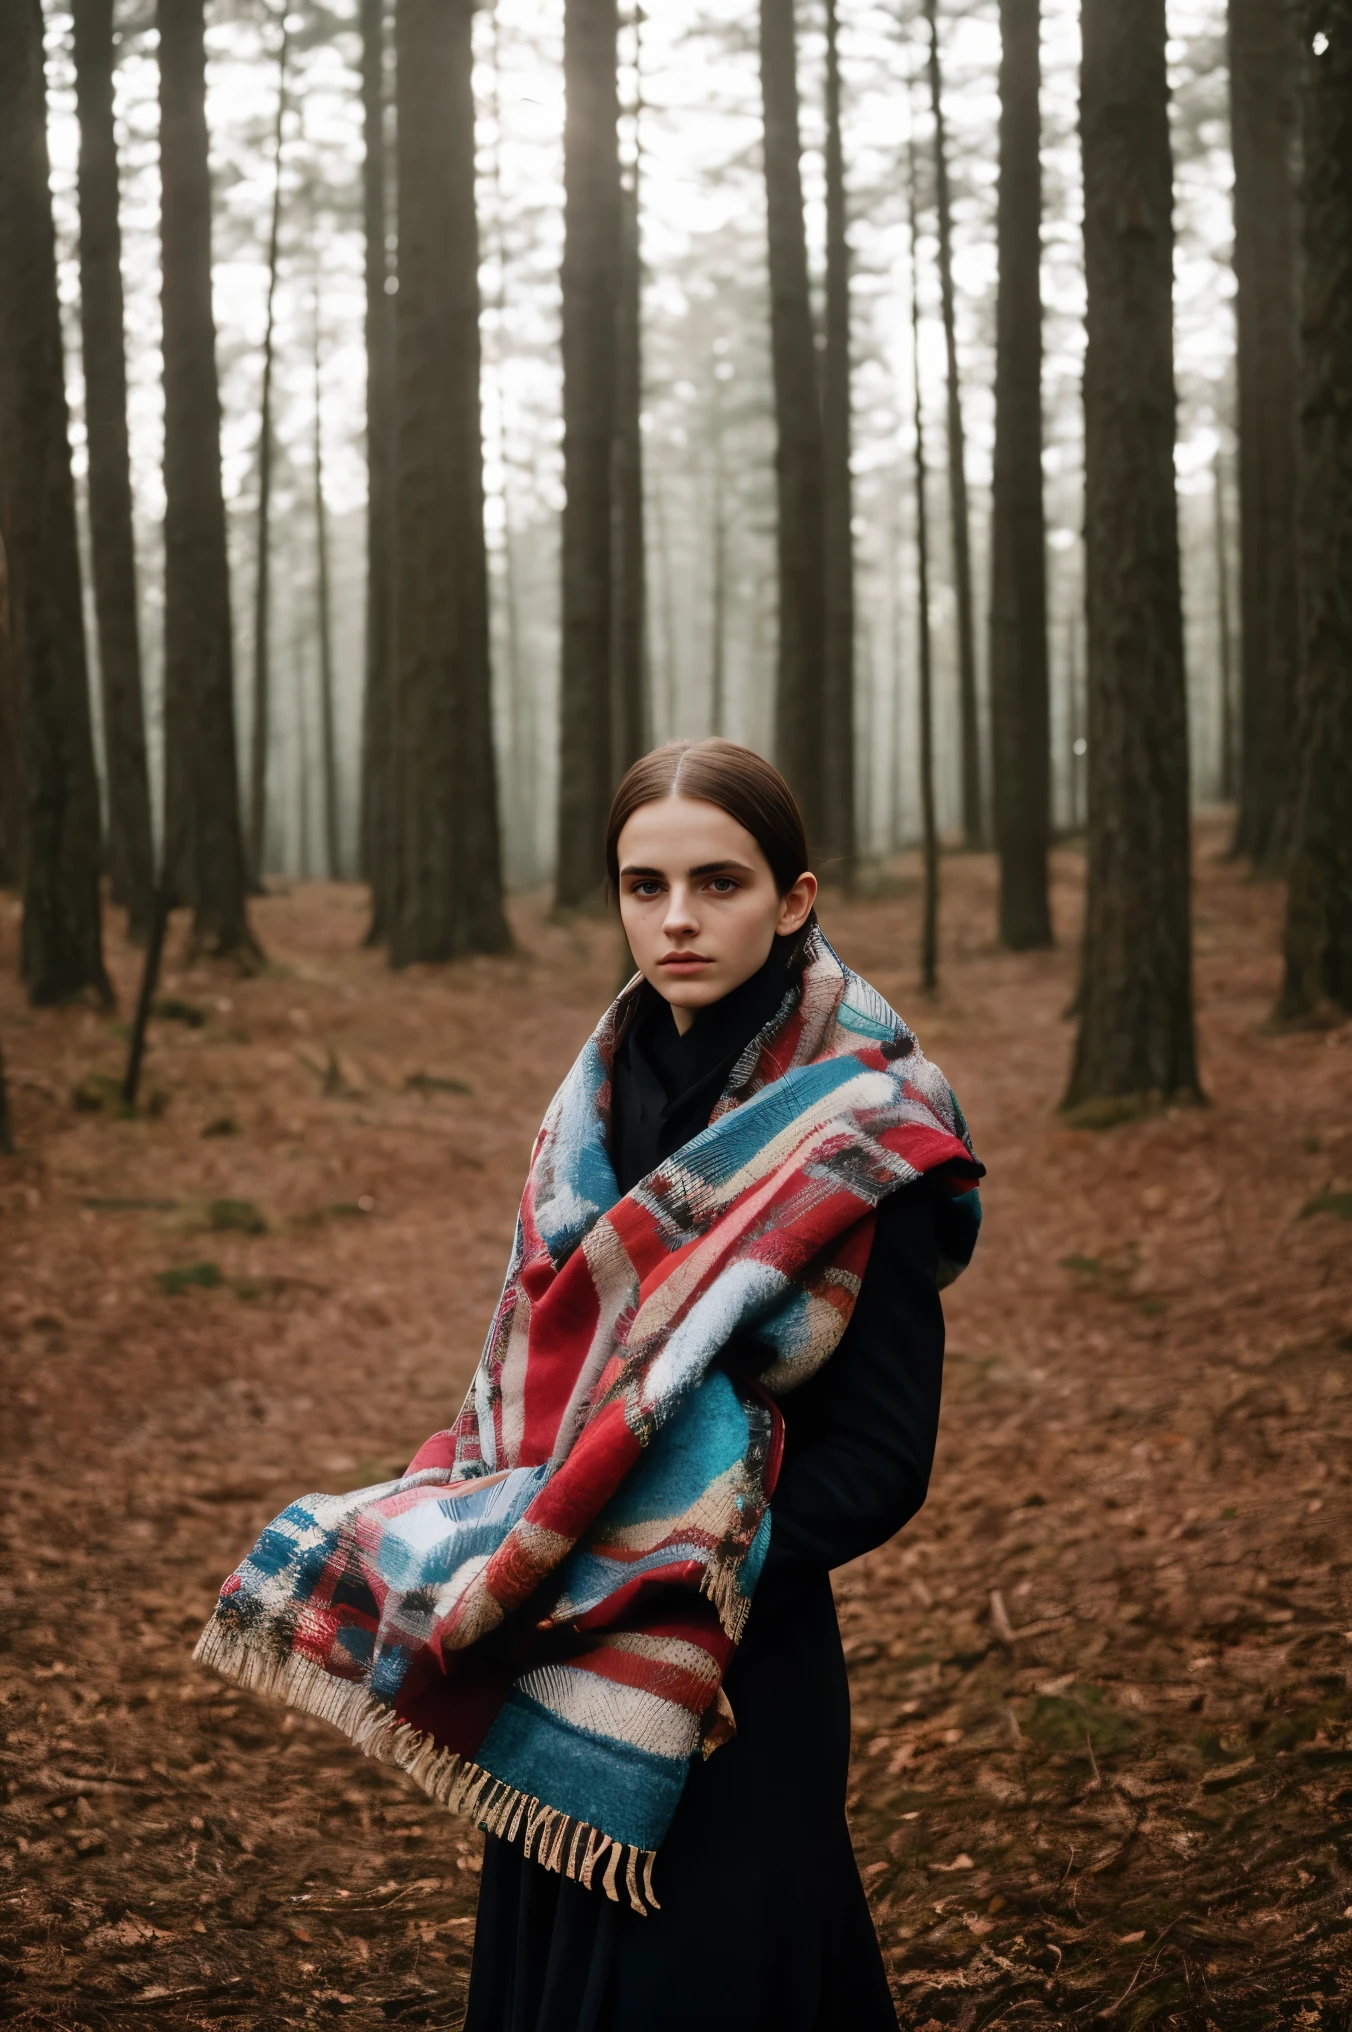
x: 646, y: 889
x: 723, y: 885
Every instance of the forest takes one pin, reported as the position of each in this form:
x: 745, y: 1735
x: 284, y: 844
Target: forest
x: 411, y: 412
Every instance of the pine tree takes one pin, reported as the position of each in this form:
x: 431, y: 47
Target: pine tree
x: 12, y: 798
x: 448, y: 897
x: 1020, y: 709
x: 62, y: 953
x: 131, y: 853
x: 204, y: 844
x: 929, y: 933
x: 631, y: 719
x: 261, y: 733
x: 1136, y: 1038
x: 800, y: 455
x: 591, y: 293
x: 1264, y: 58
x: 1319, y: 908
x: 973, y: 829
x: 378, y: 692
x: 838, y: 706
x: 328, y: 737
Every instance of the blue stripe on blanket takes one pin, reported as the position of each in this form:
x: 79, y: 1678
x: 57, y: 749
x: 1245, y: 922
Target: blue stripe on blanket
x: 629, y: 1792
x: 707, y: 1436
x: 737, y: 1137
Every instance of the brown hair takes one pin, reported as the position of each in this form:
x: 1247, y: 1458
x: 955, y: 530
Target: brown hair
x: 738, y: 780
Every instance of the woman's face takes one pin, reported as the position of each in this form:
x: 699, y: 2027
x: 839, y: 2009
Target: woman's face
x: 699, y: 903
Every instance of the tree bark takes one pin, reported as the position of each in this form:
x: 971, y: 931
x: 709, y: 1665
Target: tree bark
x: 973, y: 826
x: 521, y: 790
x: 1020, y: 704
x: 591, y: 288
x: 631, y: 718
x: 929, y: 933
x: 204, y: 843
x: 718, y: 574
x: 1136, y: 1035
x: 1264, y: 59
x: 1225, y: 648
x: 449, y: 899
x: 324, y: 632
x: 377, y: 856
x: 62, y: 951
x: 12, y: 800
x: 1319, y: 906
x: 131, y: 852
x: 261, y: 732
x: 838, y: 705
x: 800, y: 457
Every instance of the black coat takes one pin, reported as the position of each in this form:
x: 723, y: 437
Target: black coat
x: 763, y: 1924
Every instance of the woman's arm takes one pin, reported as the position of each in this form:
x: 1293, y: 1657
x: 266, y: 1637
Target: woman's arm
x: 861, y: 1435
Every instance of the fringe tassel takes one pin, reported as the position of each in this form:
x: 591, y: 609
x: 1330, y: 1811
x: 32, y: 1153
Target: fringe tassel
x: 719, y: 1583
x: 560, y: 1843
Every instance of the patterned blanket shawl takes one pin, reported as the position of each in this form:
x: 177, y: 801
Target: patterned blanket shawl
x: 535, y: 1620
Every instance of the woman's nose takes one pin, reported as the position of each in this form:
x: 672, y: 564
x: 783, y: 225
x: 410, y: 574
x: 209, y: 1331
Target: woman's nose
x: 680, y: 909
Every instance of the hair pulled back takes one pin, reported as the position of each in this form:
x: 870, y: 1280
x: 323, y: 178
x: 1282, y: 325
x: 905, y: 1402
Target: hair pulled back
x: 736, y: 779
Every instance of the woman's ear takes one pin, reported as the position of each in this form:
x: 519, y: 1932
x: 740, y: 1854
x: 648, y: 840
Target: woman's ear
x: 796, y: 905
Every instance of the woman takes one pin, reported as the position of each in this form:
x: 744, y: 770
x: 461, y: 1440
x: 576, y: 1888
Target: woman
x: 713, y: 1376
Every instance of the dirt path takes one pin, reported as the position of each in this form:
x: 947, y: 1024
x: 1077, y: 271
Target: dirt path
x: 1103, y: 1769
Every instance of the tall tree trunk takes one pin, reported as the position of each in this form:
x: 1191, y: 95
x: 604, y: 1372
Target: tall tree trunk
x: 973, y: 827
x: 12, y: 800
x: 1319, y: 905
x: 718, y: 603
x: 1075, y: 718
x: 449, y: 898
x: 62, y: 951
x: 204, y: 839
x: 1225, y: 659
x: 377, y: 847
x: 131, y: 852
x: 896, y: 661
x: 522, y: 786
x: 929, y: 934
x: 631, y: 719
x: 838, y: 705
x: 670, y: 656
x: 591, y: 286
x: 800, y: 457
x: 324, y: 632
x: 1264, y: 56
x: 1136, y: 1034
x: 261, y: 736
x: 1020, y: 703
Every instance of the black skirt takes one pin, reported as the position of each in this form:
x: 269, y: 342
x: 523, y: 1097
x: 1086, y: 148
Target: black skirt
x: 763, y: 1925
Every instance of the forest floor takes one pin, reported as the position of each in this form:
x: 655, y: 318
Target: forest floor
x: 1103, y: 1720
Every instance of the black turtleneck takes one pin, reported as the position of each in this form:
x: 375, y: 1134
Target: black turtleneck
x: 666, y: 1085
x: 860, y: 1437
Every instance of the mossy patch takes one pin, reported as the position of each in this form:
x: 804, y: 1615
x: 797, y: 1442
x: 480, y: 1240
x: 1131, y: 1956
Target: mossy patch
x: 435, y: 1083
x: 239, y: 1216
x: 100, y: 1094
x: 189, y: 1277
x: 171, y: 1009
x: 1339, y: 1204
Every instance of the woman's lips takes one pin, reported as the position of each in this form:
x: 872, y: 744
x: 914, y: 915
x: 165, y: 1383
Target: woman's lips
x: 685, y: 963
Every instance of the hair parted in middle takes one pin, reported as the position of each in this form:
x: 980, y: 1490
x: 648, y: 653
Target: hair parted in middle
x: 735, y: 779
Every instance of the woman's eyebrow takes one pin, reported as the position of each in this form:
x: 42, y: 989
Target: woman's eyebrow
x: 705, y: 868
